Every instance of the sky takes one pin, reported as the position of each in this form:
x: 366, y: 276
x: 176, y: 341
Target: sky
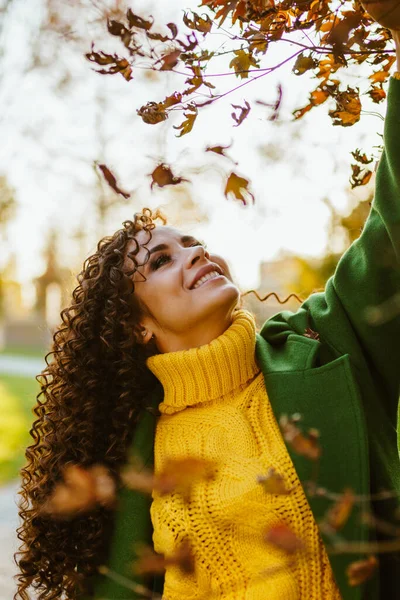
x: 56, y: 121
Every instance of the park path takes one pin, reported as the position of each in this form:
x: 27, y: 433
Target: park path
x: 8, y: 539
x: 22, y: 367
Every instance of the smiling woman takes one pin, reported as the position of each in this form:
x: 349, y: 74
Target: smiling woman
x: 276, y: 465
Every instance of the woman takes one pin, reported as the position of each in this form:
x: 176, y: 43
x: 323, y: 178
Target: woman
x: 156, y: 323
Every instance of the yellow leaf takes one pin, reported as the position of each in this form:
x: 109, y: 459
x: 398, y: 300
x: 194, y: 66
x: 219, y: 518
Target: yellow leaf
x: 187, y: 125
x: 242, y: 63
x: 361, y: 570
x: 237, y: 185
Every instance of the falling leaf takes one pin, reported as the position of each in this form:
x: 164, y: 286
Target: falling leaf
x: 81, y: 490
x: 242, y: 63
x: 138, y: 478
x: 359, y: 177
x: 305, y: 445
x: 338, y: 515
x: 284, y: 538
x: 179, y: 475
x: 314, y: 335
x: 273, y: 482
x: 243, y: 112
x: 162, y: 176
x: 114, y: 64
x: 111, y: 180
x: 221, y: 151
x: 237, y: 185
x: 360, y: 571
x: 187, y: 125
x: 149, y: 562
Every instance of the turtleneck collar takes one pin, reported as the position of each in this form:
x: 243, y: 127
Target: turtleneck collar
x: 208, y: 372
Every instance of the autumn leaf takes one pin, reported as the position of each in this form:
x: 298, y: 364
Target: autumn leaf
x: 238, y: 186
x: 305, y: 445
x: 170, y: 60
x: 243, y: 112
x: 111, y: 180
x: 338, y: 514
x: 162, y: 176
x: 359, y: 177
x: 187, y: 125
x: 81, y: 490
x: 379, y: 76
x: 114, y: 64
x: 221, y: 151
x: 273, y: 482
x: 242, y: 63
x: 153, y: 113
x: 303, y: 64
x: 172, y: 100
x: 282, y: 537
x: 348, y: 108
x: 138, y: 22
x: 360, y: 571
x: 377, y: 94
x: 150, y: 562
x: 361, y: 158
x: 179, y: 475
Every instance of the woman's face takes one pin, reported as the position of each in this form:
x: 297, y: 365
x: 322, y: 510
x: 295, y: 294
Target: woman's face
x: 179, y: 315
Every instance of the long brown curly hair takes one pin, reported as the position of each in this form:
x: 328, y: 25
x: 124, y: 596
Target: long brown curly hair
x: 92, y: 390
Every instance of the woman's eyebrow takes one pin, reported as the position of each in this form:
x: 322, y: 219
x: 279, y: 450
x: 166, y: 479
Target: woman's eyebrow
x: 184, y: 239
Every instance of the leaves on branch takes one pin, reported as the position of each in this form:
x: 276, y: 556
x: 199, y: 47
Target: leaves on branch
x: 360, y: 571
x: 359, y: 176
x: 170, y: 60
x: 111, y: 180
x: 348, y: 108
x: 153, y: 113
x: 162, y: 176
x: 303, y: 64
x: 198, y: 23
x: 114, y: 64
x: 239, y: 187
x: 242, y: 63
x: 243, y: 113
x: 187, y: 125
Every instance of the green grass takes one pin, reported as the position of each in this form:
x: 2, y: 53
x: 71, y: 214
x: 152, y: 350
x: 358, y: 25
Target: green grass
x: 17, y: 398
x: 30, y: 351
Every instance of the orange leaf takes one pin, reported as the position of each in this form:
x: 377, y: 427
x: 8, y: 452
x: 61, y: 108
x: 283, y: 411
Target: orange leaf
x: 162, y: 176
x: 308, y: 445
x: 81, y: 491
x: 149, y: 561
x: 284, y: 538
x: 179, y: 475
x: 379, y: 76
x: 339, y: 513
x: 237, y: 186
x: 318, y: 97
x: 377, y: 94
x: 361, y: 570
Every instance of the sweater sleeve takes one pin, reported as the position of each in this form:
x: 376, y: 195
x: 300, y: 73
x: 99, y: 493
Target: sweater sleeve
x: 363, y: 295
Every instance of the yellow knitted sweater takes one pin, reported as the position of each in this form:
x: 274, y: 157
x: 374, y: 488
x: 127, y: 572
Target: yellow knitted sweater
x: 216, y: 407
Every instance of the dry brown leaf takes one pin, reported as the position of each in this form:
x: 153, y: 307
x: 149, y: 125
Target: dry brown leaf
x: 162, y: 176
x: 273, y: 482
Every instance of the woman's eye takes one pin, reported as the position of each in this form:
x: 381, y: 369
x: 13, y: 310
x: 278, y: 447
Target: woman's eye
x: 158, y: 262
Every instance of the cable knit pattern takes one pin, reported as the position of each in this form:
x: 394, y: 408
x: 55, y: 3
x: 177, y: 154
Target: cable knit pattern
x: 216, y: 408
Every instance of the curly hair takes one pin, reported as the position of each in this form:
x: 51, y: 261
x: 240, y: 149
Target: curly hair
x: 93, y: 388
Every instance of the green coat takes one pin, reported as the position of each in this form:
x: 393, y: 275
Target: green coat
x: 345, y: 384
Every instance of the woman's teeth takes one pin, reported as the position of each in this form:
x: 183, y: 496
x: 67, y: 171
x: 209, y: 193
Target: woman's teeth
x: 206, y: 278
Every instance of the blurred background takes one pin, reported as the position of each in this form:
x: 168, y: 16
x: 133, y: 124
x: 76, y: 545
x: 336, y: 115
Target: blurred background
x: 58, y: 117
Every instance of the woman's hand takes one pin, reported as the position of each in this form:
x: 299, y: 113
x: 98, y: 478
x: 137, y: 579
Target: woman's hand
x: 396, y: 36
